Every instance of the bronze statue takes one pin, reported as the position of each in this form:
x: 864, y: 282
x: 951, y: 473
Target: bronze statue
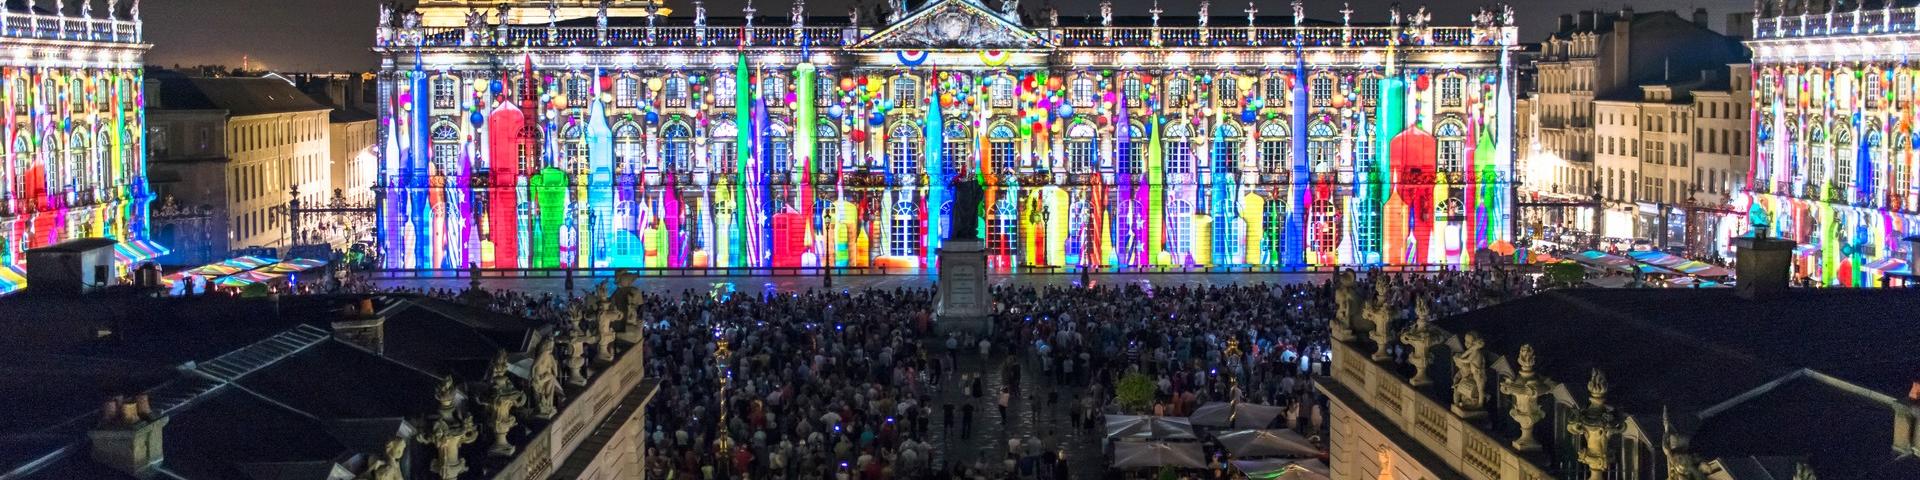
x: 965, y: 219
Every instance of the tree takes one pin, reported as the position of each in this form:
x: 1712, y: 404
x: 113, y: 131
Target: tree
x: 1134, y: 392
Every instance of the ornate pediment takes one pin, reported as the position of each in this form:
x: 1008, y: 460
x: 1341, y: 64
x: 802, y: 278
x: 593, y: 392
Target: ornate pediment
x: 954, y: 24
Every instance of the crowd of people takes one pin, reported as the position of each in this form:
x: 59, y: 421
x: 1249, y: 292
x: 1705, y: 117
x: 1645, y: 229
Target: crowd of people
x: 856, y: 384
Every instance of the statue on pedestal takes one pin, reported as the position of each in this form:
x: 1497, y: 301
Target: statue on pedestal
x: 1421, y: 336
x: 388, y: 466
x: 603, y: 332
x: 964, y: 222
x: 546, y: 380
x: 1681, y: 464
x: 501, y: 400
x: 1596, y: 425
x: 576, y: 341
x: 1469, y: 377
x: 1345, y: 305
x: 447, y: 395
x: 446, y: 435
x: 1380, y: 314
x: 1526, y: 389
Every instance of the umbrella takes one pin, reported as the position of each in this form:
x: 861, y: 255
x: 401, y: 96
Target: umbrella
x: 1147, y: 427
x: 1235, y: 415
x: 1277, y: 469
x: 1158, y: 454
x: 1267, y: 443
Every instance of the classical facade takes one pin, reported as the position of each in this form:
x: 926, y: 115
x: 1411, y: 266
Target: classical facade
x: 74, y: 167
x: 555, y: 140
x: 1833, y: 162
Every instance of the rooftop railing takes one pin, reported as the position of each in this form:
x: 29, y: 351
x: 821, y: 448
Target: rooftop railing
x: 1872, y: 21
x: 53, y: 27
x: 835, y: 36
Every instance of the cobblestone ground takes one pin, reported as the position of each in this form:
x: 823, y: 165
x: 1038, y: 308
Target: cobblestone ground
x: 1029, y: 418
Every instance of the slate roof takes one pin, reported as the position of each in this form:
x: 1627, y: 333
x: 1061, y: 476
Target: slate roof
x: 239, y: 96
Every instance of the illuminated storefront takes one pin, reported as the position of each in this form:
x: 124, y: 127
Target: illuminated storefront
x: 627, y: 144
x: 1833, y: 162
x: 74, y: 164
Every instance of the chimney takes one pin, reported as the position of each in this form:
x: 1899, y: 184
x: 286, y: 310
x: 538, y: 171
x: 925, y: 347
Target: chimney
x: 1626, y: 14
x: 1764, y: 263
x: 128, y: 436
x: 1586, y: 19
x: 1700, y: 17
x: 362, y: 327
x: 1566, y: 22
x: 1739, y: 25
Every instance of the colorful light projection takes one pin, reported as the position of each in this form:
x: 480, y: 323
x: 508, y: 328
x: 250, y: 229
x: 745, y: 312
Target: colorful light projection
x: 616, y: 169
x: 1834, y: 163
x: 75, y: 162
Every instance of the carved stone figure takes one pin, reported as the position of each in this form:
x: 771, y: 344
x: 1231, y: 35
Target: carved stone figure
x: 1681, y: 463
x: 446, y: 435
x: 896, y: 9
x: 387, y: 466
x: 1345, y: 304
x: 627, y: 298
x: 964, y: 223
x: 798, y: 14
x: 1526, y: 389
x: 700, y: 14
x: 1422, y: 17
x: 448, y: 395
x: 1380, y: 317
x: 1011, y: 10
x: 1421, y: 337
x: 576, y: 341
x: 1470, y: 377
x: 1596, y: 425
x: 603, y: 334
x: 382, y: 33
x: 1506, y: 14
x: 1106, y: 13
x: 501, y: 400
x: 1053, y: 18
x: 1299, y: 12
x: 1205, y: 7
x: 476, y: 28
x: 545, y: 373
x: 853, y: 15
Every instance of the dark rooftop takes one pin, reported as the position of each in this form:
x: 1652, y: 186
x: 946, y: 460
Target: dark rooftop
x: 239, y: 96
x: 77, y: 245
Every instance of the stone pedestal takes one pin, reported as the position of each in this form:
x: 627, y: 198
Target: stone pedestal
x: 964, y: 300
x: 1763, y: 268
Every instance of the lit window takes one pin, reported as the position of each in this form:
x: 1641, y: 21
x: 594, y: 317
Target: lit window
x: 1453, y: 91
x: 906, y: 92
x: 626, y: 92
x: 1176, y: 92
x: 1003, y: 150
x: 826, y: 148
x: 676, y: 91
x: 723, y: 93
x: 1275, y: 150
x: 674, y: 151
x: 1003, y: 91
x: 1084, y: 91
x: 903, y: 150
x: 1080, y: 155
x: 904, y: 239
x: 446, y: 92
x: 1453, y: 146
x: 1323, y: 91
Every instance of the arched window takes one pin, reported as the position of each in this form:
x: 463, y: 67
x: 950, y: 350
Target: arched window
x: 674, y: 148
x: 1179, y: 229
x: 103, y: 160
x: 1275, y: 150
x: 1876, y: 160
x: 1902, y: 180
x: 1077, y: 215
x: 1001, y: 141
x: 72, y: 174
x: 626, y: 92
x: 1085, y: 91
x: 956, y: 147
x: 903, y: 150
x: 906, y: 91
x: 1322, y: 147
x: 1080, y: 155
x: 1000, y: 230
x: 1874, y: 91
x: 826, y: 151
x: 903, y: 238
x: 1226, y: 148
x: 1844, y: 155
x: 676, y: 91
x: 1179, y: 153
x: 573, y: 147
x: 1452, y: 145
x: 626, y: 149
x: 723, y: 90
x: 22, y: 157
x: 721, y: 145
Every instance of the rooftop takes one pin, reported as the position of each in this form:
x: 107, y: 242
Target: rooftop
x: 239, y: 96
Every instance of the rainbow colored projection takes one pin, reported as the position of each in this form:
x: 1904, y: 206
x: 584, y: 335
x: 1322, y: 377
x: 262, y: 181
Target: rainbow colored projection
x: 75, y: 165
x: 1834, y: 147
x: 680, y: 146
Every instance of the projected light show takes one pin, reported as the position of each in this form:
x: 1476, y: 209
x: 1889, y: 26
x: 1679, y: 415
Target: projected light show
x: 546, y: 138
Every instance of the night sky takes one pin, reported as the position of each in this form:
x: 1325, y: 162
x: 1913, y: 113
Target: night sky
x: 316, y: 35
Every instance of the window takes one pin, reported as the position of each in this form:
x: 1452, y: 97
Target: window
x: 1844, y: 157
x: 1276, y: 90
x: 1228, y: 232
x: 906, y: 92
x: 1077, y: 214
x: 676, y: 91
x: 1001, y: 229
x: 1323, y: 90
x: 823, y: 91
x: 720, y: 150
x: 1453, y: 91
x: 1322, y: 227
x: 446, y: 148
x: 674, y: 149
x: 955, y: 148
x: 1322, y: 147
x: 1080, y: 154
x: 1085, y: 92
x: 1227, y: 88
x: 446, y: 90
x: 579, y: 90
x: 826, y: 148
x: 1176, y: 92
x: 1275, y: 150
x: 1179, y: 154
x: 574, y: 148
x: 1453, y: 145
x: 1226, y: 149
x: 904, y: 235
x: 1001, y: 142
x: 773, y: 86
x: 626, y: 92
x: 626, y: 148
x: 1002, y: 91
x: 1369, y: 89
x: 1179, y: 229
x: 723, y: 91
x: 903, y: 152
x: 1134, y: 90
x: 1133, y: 151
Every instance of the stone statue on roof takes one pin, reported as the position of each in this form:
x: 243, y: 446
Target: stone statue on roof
x: 1106, y: 13
x: 1469, y: 377
x: 446, y: 435
x: 501, y: 399
x: 1596, y: 425
x: 1346, y: 296
x: 1379, y: 314
x: 1681, y: 463
x: 1421, y: 337
x: 1526, y: 389
x: 603, y: 333
x: 896, y: 9
x: 1205, y: 7
x: 388, y: 465
x: 447, y: 394
x: 576, y: 341
x: 545, y: 373
x: 1010, y: 9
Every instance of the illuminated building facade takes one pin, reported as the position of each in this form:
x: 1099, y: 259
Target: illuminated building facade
x: 1833, y: 164
x: 607, y: 141
x: 70, y: 84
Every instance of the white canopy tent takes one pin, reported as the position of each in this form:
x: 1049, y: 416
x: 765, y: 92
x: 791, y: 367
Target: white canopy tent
x: 1283, y: 469
x: 1158, y: 454
x: 1235, y: 415
x: 1148, y: 427
x: 1267, y: 443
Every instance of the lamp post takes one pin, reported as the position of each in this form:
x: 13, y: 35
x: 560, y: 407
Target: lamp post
x: 723, y: 373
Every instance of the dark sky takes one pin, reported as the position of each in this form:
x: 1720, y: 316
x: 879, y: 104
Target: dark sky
x: 311, y: 35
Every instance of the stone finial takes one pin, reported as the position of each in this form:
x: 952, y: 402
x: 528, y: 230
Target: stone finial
x: 388, y: 466
x: 546, y: 380
x: 501, y: 400
x: 1470, y: 377
x: 1596, y: 424
x: 1421, y: 336
x: 1526, y: 389
x: 446, y: 435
